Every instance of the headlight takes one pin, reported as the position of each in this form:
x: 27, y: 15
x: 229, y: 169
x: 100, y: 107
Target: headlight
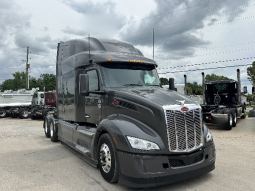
x: 142, y: 144
x: 209, y: 136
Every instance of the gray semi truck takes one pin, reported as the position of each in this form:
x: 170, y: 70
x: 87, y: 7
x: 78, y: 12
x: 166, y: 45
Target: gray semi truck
x: 222, y: 103
x: 113, y: 112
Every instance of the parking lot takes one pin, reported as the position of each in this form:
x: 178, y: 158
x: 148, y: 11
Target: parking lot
x: 30, y: 161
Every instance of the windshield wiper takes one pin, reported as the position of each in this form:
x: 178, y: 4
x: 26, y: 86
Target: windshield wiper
x: 132, y: 85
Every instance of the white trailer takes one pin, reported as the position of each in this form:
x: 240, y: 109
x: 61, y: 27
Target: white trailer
x: 16, y: 103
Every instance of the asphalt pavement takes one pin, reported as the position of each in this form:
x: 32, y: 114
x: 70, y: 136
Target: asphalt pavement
x: 30, y: 161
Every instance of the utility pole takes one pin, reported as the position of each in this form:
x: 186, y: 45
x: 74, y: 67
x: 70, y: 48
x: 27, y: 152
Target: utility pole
x: 27, y: 66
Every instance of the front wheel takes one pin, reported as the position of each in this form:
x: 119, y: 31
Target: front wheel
x: 107, y: 159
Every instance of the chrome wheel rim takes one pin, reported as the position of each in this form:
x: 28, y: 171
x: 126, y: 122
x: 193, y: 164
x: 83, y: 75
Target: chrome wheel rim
x: 230, y: 120
x: 2, y: 113
x: 25, y: 113
x: 51, y: 130
x: 46, y: 128
x: 105, y: 158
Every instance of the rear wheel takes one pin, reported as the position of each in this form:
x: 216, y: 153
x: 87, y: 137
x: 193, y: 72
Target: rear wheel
x: 46, y: 127
x: 244, y: 113
x: 53, y: 131
x: 3, y: 113
x: 229, y: 123
x: 234, y: 119
x: 107, y: 159
x: 23, y: 113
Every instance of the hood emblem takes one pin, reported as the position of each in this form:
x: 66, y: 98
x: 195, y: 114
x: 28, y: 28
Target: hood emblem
x: 181, y: 102
x: 185, y: 109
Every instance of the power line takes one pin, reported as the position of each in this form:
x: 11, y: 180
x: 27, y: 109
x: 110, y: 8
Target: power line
x: 215, y: 62
x: 199, y: 49
x: 207, y: 68
x: 206, y: 54
x: 194, y: 28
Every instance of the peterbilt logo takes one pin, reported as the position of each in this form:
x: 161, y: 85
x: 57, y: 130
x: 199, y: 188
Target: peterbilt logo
x: 184, y: 109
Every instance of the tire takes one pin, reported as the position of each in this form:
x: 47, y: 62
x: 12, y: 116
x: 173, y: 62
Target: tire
x: 23, y: 113
x: 3, y: 113
x: 229, y: 123
x: 53, y: 130
x: 46, y: 127
x: 107, y: 159
x: 33, y: 114
x: 234, y: 119
x: 13, y: 115
x: 244, y: 113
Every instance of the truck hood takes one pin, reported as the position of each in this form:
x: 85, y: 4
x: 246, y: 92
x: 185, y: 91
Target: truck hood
x: 157, y: 95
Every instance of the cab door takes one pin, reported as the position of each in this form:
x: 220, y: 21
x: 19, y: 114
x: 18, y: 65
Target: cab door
x: 93, y: 102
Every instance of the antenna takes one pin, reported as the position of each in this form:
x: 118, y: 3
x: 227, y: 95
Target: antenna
x: 89, y: 46
x: 153, y: 41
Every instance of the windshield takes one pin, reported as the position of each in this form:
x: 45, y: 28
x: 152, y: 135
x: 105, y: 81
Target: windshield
x: 129, y: 74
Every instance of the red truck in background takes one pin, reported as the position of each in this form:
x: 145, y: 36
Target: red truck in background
x: 41, y: 111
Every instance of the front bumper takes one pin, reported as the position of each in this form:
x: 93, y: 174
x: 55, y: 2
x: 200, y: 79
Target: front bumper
x: 142, y: 171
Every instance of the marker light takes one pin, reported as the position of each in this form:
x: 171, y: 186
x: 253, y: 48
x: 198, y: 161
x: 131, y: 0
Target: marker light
x: 137, y: 61
x: 142, y: 61
x: 109, y: 60
x: 131, y: 60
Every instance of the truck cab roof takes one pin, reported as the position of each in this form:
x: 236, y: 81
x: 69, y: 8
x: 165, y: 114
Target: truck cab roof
x: 82, y: 52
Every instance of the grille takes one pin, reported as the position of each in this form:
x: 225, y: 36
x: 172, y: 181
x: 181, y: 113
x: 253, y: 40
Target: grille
x: 183, y: 129
x: 176, y: 163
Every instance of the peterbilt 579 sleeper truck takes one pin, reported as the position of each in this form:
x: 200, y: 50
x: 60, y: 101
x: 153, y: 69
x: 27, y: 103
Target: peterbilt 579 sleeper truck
x: 113, y: 112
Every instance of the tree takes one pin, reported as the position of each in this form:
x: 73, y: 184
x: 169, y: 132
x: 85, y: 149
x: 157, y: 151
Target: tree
x: 7, y: 85
x: 47, y: 80
x: 214, y: 77
x: 251, y: 73
x: 19, y: 82
x: 194, y: 86
x: 164, y: 81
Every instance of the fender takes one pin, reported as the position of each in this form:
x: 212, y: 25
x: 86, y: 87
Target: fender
x: 119, y: 126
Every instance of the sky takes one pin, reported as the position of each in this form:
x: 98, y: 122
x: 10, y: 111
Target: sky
x: 190, y: 36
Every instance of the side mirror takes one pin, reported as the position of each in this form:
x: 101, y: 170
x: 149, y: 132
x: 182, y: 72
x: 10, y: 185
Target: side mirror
x: 84, y: 84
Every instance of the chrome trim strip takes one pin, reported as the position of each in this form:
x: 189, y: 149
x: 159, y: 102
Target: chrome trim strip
x: 195, y: 133
x: 186, y: 134
x: 176, y: 132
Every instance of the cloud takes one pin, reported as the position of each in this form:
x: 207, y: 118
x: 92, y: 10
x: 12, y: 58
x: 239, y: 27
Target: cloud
x: 74, y: 31
x: 98, y: 18
x: 177, y: 24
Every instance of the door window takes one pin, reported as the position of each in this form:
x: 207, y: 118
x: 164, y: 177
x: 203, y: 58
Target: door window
x: 93, y: 80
